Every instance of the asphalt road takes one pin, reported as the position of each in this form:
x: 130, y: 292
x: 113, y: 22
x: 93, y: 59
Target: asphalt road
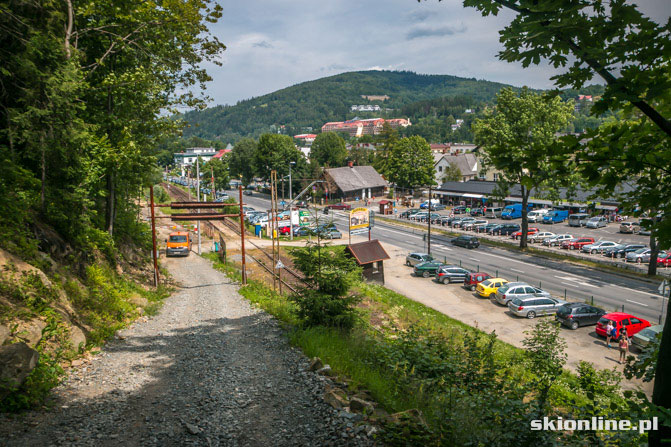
x: 608, y: 290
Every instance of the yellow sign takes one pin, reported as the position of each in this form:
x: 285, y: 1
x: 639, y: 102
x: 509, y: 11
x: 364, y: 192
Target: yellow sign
x: 359, y: 218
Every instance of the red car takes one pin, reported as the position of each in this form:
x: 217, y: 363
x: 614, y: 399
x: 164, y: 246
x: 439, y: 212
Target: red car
x: 577, y: 243
x: 285, y: 230
x: 622, y: 320
x: 530, y: 231
x: 664, y: 259
x: 473, y: 279
x: 339, y: 206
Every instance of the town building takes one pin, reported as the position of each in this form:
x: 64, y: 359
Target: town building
x: 306, y: 138
x: 353, y: 182
x: 189, y: 156
x: 358, y: 127
x: 375, y: 97
x: 365, y: 108
x: 467, y: 163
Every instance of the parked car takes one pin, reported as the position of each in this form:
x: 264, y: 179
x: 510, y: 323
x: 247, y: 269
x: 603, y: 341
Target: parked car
x: 493, y: 212
x: 513, y: 211
x: 460, y: 223
x: 419, y: 216
x: 339, y: 206
x: 632, y: 324
x: 597, y: 222
x: 472, y: 223
x: 417, y: 258
x: 330, y: 233
x: 425, y: 204
x: 598, y: 247
x: 408, y: 213
x: 506, y: 229
x: 630, y: 227
x: 466, y: 241
x: 432, y: 216
x: 427, y: 269
x: 461, y: 209
x: 451, y: 273
x: 555, y: 216
x: 301, y: 204
x: 285, y: 230
x: 641, y: 255
x: 512, y: 290
x: 556, y: 241
x: 475, y: 212
x: 575, y: 315
x: 494, y: 228
x: 473, y: 279
x: 664, y: 260
x: 621, y: 250
x: 645, y: 336
x: 438, y: 207
x: 489, y: 286
x: 485, y: 228
x: 534, y: 306
x: 453, y: 220
x: 577, y: 243
x: 537, y: 215
x: 302, y: 231
x: 578, y: 220
x: 518, y: 234
x: 540, y: 236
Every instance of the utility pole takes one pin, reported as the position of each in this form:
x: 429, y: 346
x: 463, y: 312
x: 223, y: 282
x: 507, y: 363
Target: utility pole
x: 291, y: 198
x: 242, y: 239
x: 153, y: 235
x: 273, y: 220
x: 428, y: 239
x: 198, y: 199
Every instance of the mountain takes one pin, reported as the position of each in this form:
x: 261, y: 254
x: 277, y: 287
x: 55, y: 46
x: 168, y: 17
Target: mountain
x: 311, y: 104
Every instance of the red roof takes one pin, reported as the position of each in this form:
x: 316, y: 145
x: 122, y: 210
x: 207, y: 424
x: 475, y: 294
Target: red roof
x: 221, y: 153
x: 305, y: 136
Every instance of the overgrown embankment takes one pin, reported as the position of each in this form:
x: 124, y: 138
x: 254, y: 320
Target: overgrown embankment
x: 438, y: 381
x: 53, y: 314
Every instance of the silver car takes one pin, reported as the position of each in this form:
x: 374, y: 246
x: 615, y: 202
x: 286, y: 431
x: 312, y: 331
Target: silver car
x: 556, y: 241
x: 532, y: 307
x: 512, y: 290
x: 597, y: 222
x: 598, y: 247
x: 417, y: 258
x: 640, y: 255
x: 540, y: 236
x: 471, y: 225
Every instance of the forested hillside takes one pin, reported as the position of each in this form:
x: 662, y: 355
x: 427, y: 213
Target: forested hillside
x: 311, y: 104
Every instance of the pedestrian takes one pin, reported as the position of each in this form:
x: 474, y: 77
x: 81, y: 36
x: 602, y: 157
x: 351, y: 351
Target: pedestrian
x: 609, y: 332
x: 624, y: 346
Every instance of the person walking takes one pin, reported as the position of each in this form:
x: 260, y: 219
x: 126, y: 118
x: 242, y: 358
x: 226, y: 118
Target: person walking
x: 609, y: 332
x: 624, y: 346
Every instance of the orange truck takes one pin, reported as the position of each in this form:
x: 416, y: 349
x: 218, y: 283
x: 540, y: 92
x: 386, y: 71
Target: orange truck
x: 178, y: 244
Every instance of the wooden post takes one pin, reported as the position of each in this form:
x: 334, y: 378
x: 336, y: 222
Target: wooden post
x: 242, y: 240
x: 153, y: 234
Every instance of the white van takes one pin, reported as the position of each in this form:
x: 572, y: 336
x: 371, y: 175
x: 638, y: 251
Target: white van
x: 493, y: 212
x: 537, y: 215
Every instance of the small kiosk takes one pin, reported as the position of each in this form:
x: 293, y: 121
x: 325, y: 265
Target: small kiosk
x: 386, y: 207
x: 369, y: 256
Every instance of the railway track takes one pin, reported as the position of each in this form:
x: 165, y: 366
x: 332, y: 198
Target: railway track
x: 184, y: 196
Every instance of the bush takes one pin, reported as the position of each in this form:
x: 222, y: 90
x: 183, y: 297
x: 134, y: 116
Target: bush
x: 315, y: 308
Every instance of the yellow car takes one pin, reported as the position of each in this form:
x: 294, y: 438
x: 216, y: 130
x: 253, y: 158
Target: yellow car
x: 489, y: 286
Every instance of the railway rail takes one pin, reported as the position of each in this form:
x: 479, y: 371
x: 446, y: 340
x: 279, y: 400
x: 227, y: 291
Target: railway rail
x: 185, y: 196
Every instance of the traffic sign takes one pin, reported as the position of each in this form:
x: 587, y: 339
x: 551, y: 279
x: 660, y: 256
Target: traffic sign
x: 279, y: 265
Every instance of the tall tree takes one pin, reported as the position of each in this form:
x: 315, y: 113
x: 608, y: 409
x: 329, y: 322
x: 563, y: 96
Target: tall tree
x: 329, y: 150
x: 241, y: 159
x: 275, y: 152
x: 388, y: 138
x: 519, y: 140
x: 217, y: 168
x: 452, y: 173
x: 410, y: 163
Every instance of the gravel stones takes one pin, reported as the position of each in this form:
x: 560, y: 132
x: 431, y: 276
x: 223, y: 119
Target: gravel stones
x: 208, y: 370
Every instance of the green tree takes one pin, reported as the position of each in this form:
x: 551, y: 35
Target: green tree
x: 217, y: 168
x: 388, y: 138
x: 452, y: 174
x: 411, y: 163
x: 275, y: 152
x: 241, y: 159
x: 519, y: 140
x: 329, y: 150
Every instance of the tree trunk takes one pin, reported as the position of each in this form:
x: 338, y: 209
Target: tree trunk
x: 111, y: 198
x: 654, y: 248
x: 525, y: 219
x: 661, y: 393
x: 43, y: 177
x: 68, y: 28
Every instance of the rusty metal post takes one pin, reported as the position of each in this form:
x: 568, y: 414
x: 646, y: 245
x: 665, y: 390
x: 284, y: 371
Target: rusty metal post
x: 153, y: 235
x: 242, y: 240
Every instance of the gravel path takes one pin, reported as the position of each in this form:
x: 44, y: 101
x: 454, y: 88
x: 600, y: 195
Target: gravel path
x: 208, y: 370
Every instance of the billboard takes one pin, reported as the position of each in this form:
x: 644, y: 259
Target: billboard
x: 359, y: 218
x: 304, y: 218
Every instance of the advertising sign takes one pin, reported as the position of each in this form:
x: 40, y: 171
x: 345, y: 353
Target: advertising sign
x: 303, y: 218
x: 359, y: 218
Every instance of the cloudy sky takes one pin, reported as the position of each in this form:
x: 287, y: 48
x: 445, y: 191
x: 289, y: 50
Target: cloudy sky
x: 272, y: 44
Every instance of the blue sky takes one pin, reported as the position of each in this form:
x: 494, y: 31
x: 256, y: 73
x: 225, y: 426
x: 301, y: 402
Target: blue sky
x: 272, y: 44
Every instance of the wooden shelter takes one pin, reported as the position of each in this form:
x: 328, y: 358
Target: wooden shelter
x: 369, y: 256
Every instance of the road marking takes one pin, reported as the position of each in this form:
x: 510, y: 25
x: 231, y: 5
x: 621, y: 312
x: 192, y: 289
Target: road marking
x: 574, y: 280
x: 636, y: 302
x: 474, y: 259
x: 518, y: 271
x: 632, y: 290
